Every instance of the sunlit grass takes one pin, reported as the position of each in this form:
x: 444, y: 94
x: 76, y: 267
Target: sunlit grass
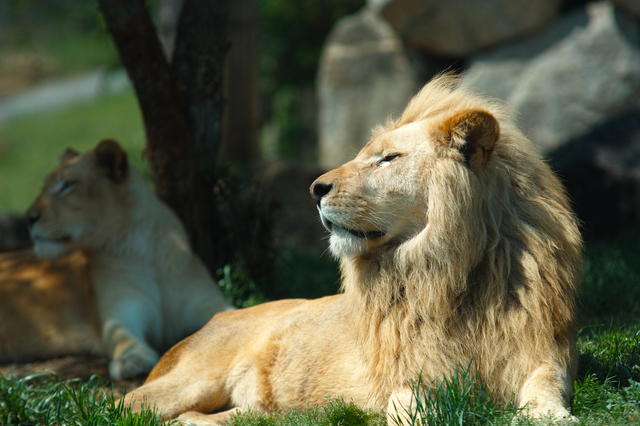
x: 45, y: 400
x: 460, y: 399
x: 607, y: 393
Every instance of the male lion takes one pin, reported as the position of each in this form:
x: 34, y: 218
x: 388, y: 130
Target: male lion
x: 456, y: 242
x: 123, y: 280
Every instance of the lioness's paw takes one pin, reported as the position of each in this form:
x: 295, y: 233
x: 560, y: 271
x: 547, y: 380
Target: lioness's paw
x: 137, y: 359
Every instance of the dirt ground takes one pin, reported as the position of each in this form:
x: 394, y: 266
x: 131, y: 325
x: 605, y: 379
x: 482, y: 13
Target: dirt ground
x: 72, y: 367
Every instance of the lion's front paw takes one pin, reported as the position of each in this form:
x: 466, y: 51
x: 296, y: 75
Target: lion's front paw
x: 560, y: 416
x: 137, y: 359
x: 198, y: 419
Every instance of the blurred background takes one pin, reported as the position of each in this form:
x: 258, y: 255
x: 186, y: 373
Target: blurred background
x: 303, y: 84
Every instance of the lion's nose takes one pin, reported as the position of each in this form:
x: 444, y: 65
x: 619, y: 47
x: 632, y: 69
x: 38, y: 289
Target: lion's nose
x: 319, y: 190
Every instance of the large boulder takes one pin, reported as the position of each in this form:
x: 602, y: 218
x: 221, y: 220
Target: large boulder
x: 459, y: 28
x: 582, y: 71
x: 601, y: 170
x: 631, y: 6
x: 365, y: 76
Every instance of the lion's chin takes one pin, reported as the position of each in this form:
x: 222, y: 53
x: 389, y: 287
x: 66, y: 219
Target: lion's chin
x: 344, y: 242
x: 50, y: 249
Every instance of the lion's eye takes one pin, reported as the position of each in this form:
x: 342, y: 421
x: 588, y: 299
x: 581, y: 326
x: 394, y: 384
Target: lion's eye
x: 387, y: 160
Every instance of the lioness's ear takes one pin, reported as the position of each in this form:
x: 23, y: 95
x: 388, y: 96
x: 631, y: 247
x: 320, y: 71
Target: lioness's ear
x: 474, y: 133
x: 68, y: 154
x: 111, y: 157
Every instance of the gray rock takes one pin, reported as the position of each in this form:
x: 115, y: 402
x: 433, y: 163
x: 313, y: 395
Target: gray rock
x: 462, y: 27
x: 601, y: 171
x: 582, y: 71
x: 365, y: 75
x: 631, y: 6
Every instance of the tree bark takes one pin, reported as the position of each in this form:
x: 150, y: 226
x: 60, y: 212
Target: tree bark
x: 181, y: 106
x: 198, y: 61
x: 241, y: 120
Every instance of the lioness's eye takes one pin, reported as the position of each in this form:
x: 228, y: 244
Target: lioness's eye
x: 387, y: 159
x: 66, y: 186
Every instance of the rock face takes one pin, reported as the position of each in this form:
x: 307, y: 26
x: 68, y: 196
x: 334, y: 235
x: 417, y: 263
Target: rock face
x: 601, y: 170
x: 631, y: 6
x: 461, y: 27
x: 573, y: 76
x: 582, y: 71
x: 365, y: 76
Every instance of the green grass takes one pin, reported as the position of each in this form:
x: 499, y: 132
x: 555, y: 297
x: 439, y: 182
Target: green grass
x: 45, y: 400
x: 611, y: 282
x: 607, y: 391
x: 336, y: 412
x: 457, y: 400
x: 30, y: 147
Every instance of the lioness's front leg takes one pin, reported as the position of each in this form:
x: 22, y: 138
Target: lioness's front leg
x: 129, y: 354
x: 130, y: 310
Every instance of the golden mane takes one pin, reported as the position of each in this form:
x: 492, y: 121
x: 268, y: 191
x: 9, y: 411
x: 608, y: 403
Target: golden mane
x: 501, y: 255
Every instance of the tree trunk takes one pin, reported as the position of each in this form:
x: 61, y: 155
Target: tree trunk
x: 181, y: 107
x: 198, y: 61
x: 241, y: 119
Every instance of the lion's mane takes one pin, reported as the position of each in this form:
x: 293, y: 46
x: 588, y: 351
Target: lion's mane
x: 493, y: 276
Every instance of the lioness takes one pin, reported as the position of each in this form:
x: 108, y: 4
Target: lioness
x: 456, y: 242
x: 124, y: 281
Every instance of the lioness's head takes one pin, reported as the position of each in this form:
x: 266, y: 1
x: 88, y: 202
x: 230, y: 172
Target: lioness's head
x: 381, y: 198
x: 81, y: 206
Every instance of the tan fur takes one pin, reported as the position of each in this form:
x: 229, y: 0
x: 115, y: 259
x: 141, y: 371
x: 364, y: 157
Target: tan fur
x: 456, y: 242
x: 122, y: 280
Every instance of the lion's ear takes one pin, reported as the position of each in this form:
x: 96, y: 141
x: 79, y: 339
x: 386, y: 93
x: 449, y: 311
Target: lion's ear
x: 474, y: 133
x: 111, y: 157
x: 68, y: 154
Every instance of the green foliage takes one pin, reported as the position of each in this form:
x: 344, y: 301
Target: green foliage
x: 45, y: 400
x: 238, y: 287
x: 302, y: 274
x: 69, y: 33
x: 291, y: 128
x: 292, y: 37
x: 297, y: 274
